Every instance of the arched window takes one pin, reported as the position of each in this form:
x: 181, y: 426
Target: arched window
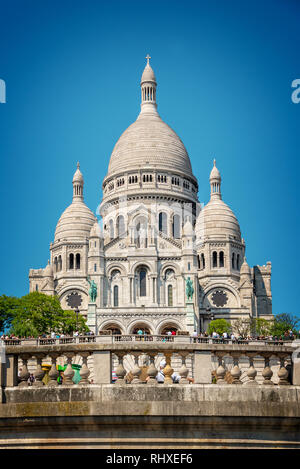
x: 59, y: 263
x: 221, y: 259
x: 36, y: 287
x: 237, y: 261
x: 170, y: 295
x: 116, y: 295
x: 143, y: 281
x: 71, y: 261
x: 203, y: 261
x: 233, y: 260
x: 111, y: 229
x: 77, y: 261
x: 176, y: 227
x: 162, y: 222
x: 199, y: 264
x: 215, y: 259
x: 55, y: 264
x: 120, y: 226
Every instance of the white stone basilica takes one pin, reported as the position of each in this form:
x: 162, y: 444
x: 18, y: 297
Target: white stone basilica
x: 153, y: 237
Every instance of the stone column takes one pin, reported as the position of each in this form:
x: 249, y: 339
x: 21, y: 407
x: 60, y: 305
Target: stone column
x: 69, y: 372
x: 84, y: 371
x: 168, y: 370
x: 251, y: 373
x: 202, y: 367
x: 283, y: 373
x: 53, y: 373
x: 24, y: 375
x: 152, y: 371
x: 267, y: 373
x: 120, y: 370
x: 136, y: 371
x: 39, y: 372
x: 220, y: 371
x: 235, y: 371
x: 183, y: 370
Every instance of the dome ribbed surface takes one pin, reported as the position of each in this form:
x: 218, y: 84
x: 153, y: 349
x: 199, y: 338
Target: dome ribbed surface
x: 217, y: 220
x: 149, y: 142
x: 75, y: 222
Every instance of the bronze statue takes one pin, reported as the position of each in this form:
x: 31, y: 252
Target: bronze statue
x: 189, y: 288
x: 92, y: 290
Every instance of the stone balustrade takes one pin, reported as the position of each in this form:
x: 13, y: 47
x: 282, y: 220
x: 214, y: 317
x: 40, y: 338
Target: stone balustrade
x: 208, y: 362
x: 109, y: 338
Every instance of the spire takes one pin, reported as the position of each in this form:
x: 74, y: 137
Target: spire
x: 148, y: 89
x: 78, y: 184
x: 215, y: 183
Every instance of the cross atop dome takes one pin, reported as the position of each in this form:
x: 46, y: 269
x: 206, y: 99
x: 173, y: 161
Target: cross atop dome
x: 148, y: 58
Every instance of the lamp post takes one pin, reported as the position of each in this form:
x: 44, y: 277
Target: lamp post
x: 74, y: 300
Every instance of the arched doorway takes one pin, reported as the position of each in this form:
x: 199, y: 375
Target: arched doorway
x: 169, y: 329
x: 141, y: 327
x: 114, y: 329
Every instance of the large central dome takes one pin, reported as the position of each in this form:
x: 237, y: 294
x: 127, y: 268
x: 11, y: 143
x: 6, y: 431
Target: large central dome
x: 149, y: 142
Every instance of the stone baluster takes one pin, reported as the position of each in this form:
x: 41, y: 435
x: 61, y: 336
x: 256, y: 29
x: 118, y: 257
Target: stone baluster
x: 267, y: 373
x: 235, y: 370
x: 283, y: 373
x: 53, y: 372
x: 136, y: 371
x: 84, y: 371
x: 120, y: 370
x: 39, y: 372
x: 152, y: 371
x: 183, y: 370
x: 168, y: 370
x: 69, y: 372
x: 24, y: 373
x: 220, y: 371
x: 251, y: 373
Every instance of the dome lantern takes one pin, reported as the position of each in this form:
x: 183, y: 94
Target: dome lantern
x: 148, y: 89
x: 78, y: 184
x: 215, y: 183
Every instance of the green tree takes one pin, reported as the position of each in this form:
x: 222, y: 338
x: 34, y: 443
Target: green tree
x: 262, y: 326
x: 37, y: 314
x: 70, y: 322
x: 8, y: 305
x: 219, y: 325
x: 283, y: 323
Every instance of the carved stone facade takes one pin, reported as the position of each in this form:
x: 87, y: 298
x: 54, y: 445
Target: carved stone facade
x: 152, y: 235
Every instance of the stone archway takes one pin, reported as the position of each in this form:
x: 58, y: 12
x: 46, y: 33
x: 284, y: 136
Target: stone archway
x: 115, y: 329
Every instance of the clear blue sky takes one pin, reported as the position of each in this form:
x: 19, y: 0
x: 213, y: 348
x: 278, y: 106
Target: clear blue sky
x: 224, y: 72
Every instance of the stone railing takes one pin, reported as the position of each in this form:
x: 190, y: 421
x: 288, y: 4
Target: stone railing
x: 205, y: 362
x: 109, y: 338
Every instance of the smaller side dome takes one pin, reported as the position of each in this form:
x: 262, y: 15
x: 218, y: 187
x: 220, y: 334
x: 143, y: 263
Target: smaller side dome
x: 48, y: 270
x: 188, y: 229
x: 95, y: 231
x: 245, y: 269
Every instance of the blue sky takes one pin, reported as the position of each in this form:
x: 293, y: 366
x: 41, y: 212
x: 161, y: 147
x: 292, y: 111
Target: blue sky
x: 224, y: 72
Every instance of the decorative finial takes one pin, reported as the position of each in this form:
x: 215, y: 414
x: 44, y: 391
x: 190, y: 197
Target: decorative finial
x: 214, y: 162
x: 148, y: 58
x: 78, y: 165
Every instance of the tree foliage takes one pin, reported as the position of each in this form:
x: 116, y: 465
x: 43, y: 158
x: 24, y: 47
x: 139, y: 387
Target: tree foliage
x: 284, y: 323
x: 8, y: 305
x: 219, y: 325
x: 36, y: 314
